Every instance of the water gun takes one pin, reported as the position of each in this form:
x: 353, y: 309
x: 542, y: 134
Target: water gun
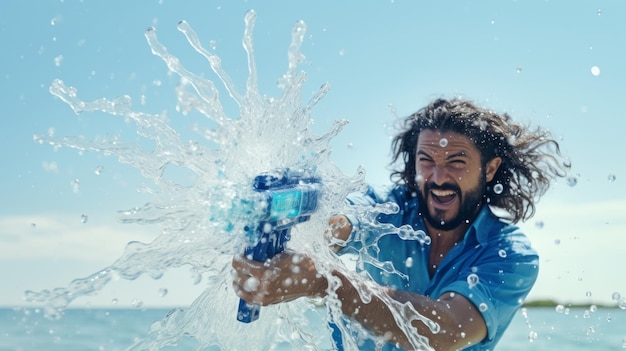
x: 288, y: 198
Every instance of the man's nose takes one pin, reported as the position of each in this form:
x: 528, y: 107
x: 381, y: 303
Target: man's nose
x: 440, y: 175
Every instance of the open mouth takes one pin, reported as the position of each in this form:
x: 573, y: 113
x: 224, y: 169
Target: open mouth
x: 443, y: 197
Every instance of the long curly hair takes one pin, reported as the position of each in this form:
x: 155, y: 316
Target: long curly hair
x: 531, y: 159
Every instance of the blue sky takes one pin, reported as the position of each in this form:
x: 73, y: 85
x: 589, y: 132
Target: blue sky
x: 558, y: 64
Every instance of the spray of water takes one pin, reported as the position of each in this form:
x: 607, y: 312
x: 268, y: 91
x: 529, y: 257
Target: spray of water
x: 202, y: 224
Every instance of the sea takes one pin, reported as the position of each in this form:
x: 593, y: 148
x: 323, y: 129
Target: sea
x: 100, y: 329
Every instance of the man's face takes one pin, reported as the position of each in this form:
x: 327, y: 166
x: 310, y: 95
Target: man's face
x: 450, y: 178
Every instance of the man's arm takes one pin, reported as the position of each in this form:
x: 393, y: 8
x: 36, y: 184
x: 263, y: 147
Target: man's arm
x: 460, y: 323
x: 289, y: 276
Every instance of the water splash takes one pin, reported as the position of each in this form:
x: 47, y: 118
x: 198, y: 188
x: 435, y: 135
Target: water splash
x: 202, y: 223
x: 572, y: 181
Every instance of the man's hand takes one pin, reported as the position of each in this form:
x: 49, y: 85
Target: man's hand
x: 285, y: 277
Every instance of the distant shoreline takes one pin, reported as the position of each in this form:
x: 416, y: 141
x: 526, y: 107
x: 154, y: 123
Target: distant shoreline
x: 552, y: 303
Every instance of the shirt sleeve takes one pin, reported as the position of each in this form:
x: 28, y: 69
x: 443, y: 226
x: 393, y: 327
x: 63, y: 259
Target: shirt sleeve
x: 500, y: 281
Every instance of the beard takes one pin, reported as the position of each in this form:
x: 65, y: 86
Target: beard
x: 469, y: 204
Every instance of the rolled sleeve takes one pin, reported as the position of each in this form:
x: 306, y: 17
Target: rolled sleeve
x: 503, y: 284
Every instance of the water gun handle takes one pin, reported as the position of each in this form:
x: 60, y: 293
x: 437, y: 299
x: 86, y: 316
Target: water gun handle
x: 289, y: 198
x: 270, y: 244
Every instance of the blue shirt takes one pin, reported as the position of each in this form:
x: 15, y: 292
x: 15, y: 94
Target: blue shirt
x: 499, y: 258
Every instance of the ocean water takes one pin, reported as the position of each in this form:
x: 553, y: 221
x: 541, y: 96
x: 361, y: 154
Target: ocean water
x: 566, y: 329
x: 117, y: 329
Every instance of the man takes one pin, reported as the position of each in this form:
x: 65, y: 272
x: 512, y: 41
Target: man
x: 466, y: 176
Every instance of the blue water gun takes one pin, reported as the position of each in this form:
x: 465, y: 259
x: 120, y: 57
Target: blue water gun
x: 289, y: 198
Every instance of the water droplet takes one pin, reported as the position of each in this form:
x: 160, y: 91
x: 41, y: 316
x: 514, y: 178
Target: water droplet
x: 251, y: 284
x: 599, y: 12
x: 612, y: 178
x: 560, y: 309
x: 409, y: 262
x: 518, y: 69
x: 33, y: 225
x: 84, y: 218
x: 163, y: 292
x: 524, y: 312
x: 572, y: 181
x: 502, y: 253
x: 472, y: 280
x: 532, y: 336
x: 557, y: 241
x: 114, y: 301
x: 588, y: 294
x: 98, y: 170
x: 512, y: 140
x: 443, y: 142
x: 616, y: 296
x: 75, y: 185
x: 622, y: 303
x: 498, y: 188
x: 137, y: 303
x: 483, y: 307
x: 595, y: 70
x: 483, y: 125
x: 58, y: 60
x: 539, y: 224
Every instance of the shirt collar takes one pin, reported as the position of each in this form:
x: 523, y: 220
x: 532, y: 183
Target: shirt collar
x: 485, y: 223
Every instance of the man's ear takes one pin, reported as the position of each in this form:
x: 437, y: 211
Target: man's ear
x: 492, y: 167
